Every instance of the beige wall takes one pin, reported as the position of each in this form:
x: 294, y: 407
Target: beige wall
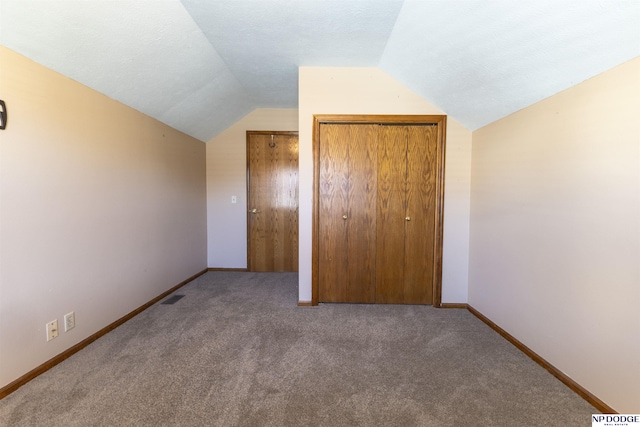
x: 102, y: 209
x: 226, y: 177
x: 324, y: 90
x: 555, y: 231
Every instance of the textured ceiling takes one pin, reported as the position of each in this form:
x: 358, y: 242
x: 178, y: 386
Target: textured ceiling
x: 199, y: 65
x: 481, y: 60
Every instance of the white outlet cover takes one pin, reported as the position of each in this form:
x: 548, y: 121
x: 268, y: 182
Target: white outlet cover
x: 69, y: 321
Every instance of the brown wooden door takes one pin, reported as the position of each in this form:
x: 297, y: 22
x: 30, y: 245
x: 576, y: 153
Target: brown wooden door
x: 379, y: 209
x: 392, y: 177
x: 420, y: 221
x: 347, y: 208
x: 272, y: 200
x: 406, y: 214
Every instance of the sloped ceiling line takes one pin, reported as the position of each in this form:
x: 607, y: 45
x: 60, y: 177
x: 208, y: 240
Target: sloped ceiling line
x: 482, y: 60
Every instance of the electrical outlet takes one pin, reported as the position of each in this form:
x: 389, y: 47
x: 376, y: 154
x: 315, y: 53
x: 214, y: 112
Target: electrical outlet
x: 52, y: 329
x: 69, y: 321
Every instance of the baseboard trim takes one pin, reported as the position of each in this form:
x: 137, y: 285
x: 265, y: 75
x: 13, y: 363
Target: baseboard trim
x: 577, y: 388
x: 13, y: 386
x: 227, y: 269
x: 454, y: 305
x: 305, y: 303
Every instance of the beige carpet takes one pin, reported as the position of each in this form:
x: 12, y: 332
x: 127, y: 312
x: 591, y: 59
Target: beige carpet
x: 237, y: 351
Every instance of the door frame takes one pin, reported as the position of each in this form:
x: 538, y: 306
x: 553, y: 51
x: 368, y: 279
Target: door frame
x: 248, y: 175
x: 441, y: 122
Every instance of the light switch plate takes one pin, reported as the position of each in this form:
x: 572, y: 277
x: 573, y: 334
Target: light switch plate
x: 69, y: 321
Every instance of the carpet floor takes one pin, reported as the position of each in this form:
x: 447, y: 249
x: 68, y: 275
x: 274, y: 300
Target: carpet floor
x: 237, y: 351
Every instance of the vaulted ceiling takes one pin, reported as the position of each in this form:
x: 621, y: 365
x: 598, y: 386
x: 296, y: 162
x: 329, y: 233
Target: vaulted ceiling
x: 200, y: 65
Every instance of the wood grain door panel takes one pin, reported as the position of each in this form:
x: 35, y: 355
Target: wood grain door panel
x: 420, y: 208
x: 347, y: 208
x: 392, y: 174
x: 333, y: 205
x: 258, y: 199
x: 272, y: 201
x: 361, y: 220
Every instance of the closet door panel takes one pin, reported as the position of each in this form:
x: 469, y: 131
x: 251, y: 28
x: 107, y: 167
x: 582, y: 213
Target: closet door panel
x: 421, y: 205
x: 333, y: 204
x: 392, y: 174
x: 361, y: 216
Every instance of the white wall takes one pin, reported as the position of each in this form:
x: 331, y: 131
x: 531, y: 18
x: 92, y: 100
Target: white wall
x: 555, y: 231
x: 227, y: 176
x: 325, y: 90
x: 101, y: 209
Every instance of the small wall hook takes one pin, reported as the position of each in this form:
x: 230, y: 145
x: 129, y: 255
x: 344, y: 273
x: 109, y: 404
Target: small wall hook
x: 3, y: 115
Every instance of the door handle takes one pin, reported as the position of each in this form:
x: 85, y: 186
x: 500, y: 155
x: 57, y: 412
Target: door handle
x: 254, y: 211
x: 344, y: 217
x: 407, y: 218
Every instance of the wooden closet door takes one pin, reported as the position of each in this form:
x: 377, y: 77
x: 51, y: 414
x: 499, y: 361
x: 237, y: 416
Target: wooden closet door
x: 347, y: 214
x: 420, y: 229
x: 333, y: 204
x: 392, y: 177
x: 406, y: 214
x: 391, y: 252
x: 361, y: 220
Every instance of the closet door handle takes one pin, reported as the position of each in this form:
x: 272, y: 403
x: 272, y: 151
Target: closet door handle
x: 344, y: 217
x: 407, y: 218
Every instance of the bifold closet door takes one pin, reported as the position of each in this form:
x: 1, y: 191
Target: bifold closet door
x: 390, y: 218
x: 347, y: 213
x: 406, y: 214
x: 420, y: 230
